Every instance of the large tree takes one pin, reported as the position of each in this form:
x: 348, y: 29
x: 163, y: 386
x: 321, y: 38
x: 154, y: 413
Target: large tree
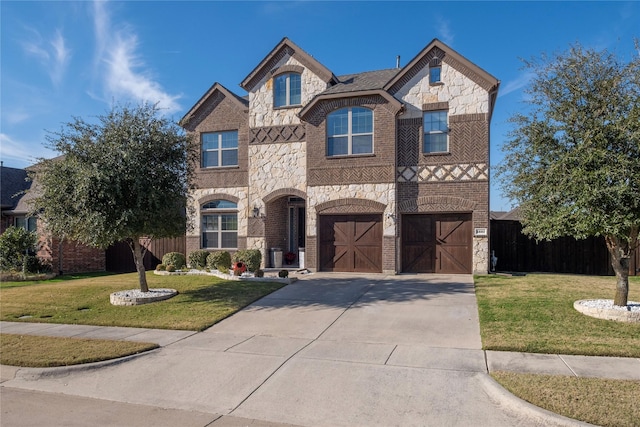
x: 573, y: 161
x: 122, y: 177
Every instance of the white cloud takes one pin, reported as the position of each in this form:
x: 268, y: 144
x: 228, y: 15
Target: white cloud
x: 444, y: 31
x: 20, y: 153
x: 53, y: 54
x: 516, y: 84
x: 126, y: 75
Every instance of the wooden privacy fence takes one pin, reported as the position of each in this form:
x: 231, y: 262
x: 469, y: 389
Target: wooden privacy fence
x: 120, y: 260
x: 517, y: 252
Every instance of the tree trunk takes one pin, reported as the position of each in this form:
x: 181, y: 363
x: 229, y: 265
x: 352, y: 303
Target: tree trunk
x: 620, y: 253
x: 138, y: 258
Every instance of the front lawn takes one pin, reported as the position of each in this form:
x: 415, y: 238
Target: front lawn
x: 201, y: 302
x: 535, y: 314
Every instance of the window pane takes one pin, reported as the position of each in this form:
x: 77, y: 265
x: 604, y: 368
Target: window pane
x: 229, y: 240
x: 20, y: 222
x: 219, y: 204
x: 435, y: 143
x: 230, y: 139
x: 209, y: 240
x: 338, y: 123
x: 361, y: 144
x: 280, y: 91
x: 338, y: 145
x: 209, y: 158
x: 210, y: 222
x: 434, y: 74
x: 209, y: 141
x: 32, y: 223
x: 294, y: 89
x: 229, y: 222
x: 229, y: 157
x: 361, y: 120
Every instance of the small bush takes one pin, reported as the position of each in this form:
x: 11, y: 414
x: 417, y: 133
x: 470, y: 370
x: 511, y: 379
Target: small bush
x: 258, y: 273
x: 198, y: 259
x: 283, y: 273
x: 218, y: 260
x: 250, y: 257
x: 15, y: 243
x: 161, y: 267
x: 222, y: 269
x: 33, y: 265
x: 176, y: 259
x: 170, y: 268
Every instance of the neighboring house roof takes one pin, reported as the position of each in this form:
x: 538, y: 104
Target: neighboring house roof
x: 268, y: 64
x: 512, y: 215
x: 242, y: 102
x: 13, y: 182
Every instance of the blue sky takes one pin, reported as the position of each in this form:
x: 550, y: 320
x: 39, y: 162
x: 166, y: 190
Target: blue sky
x: 64, y: 59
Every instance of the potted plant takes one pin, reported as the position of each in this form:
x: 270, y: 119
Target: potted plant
x: 289, y: 257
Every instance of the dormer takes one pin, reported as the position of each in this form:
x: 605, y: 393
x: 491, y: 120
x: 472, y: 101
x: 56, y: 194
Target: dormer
x: 282, y: 84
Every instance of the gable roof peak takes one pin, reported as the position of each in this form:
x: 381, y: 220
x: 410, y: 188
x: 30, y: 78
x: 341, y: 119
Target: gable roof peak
x: 286, y: 46
x: 216, y: 87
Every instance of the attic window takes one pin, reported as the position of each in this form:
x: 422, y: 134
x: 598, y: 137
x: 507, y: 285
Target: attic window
x: 435, y: 71
x: 287, y: 90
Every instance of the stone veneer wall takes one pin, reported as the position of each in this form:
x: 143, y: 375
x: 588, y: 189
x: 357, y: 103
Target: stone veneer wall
x: 202, y: 195
x: 261, y: 110
x: 463, y: 95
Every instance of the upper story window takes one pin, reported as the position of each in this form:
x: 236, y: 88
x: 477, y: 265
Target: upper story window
x: 219, y: 224
x: 350, y: 131
x: 219, y: 149
x: 434, y: 74
x: 287, y: 90
x: 436, y: 132
x: 28, y: 223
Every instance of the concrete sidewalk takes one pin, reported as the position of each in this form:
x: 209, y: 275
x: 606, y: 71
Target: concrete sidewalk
x: 327, y: 350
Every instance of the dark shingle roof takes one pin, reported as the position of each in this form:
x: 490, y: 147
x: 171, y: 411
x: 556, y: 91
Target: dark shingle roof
x: 12, y: 182
x: 369, y: 80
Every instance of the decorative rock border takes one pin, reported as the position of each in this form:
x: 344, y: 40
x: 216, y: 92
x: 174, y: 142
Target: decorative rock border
x: 604, y: 309
x: 137, y: 297
x: 216, y: 273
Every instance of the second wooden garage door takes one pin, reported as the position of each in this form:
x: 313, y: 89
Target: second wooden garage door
x: 351, y: 243
x: 436, y: 243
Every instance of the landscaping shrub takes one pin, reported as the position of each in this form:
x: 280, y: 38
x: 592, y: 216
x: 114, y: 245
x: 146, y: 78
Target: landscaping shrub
x: 176, y: 259
x: 283, y: 273
x: 161, y: 267
x: 222, y: 269
x: 170, y: 268
x: 33, y: 265
x: 250, y: 257
x: 219, y: 259
x: 259, y: 273
x: 15, y: 243
x: 198, y: 259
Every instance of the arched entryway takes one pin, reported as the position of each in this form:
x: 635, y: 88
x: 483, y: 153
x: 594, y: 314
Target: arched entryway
x: 285, y: 225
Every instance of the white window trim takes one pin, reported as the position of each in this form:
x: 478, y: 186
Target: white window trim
x: 219, y: 149
x: 435, y: 132
x: 287, y: 85
x: 350, y: 134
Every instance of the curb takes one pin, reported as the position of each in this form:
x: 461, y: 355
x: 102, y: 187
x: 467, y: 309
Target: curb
x: 516, y: 406
x: 34, y: 374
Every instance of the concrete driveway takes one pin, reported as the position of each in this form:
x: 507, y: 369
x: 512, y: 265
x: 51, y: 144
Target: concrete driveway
x: 328, y: 350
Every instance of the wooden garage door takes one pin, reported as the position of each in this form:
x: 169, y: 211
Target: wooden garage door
x: 437, y: 243
x: 351, y: 243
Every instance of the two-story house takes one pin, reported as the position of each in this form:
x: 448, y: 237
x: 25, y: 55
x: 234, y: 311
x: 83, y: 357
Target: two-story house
x: 379, y: 171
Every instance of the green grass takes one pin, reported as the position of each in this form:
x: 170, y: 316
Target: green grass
x: 202, y: 301
x: 57, y: 279
x: 535, y: 314
x: 45, y: 352
x: 602, y: 402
